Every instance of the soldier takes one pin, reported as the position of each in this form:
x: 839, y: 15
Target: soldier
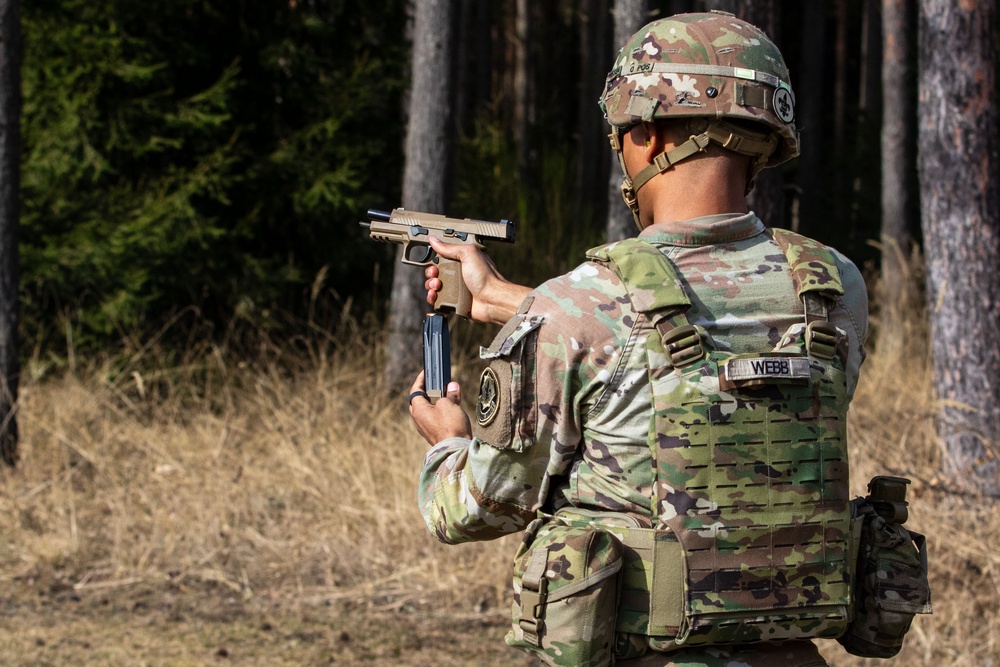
x: 684, y: 392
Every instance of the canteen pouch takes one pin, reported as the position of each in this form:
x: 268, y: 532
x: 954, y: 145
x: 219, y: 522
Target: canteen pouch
x: 890, y: 585
x: 566, y: 583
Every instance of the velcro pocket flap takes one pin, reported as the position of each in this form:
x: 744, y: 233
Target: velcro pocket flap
x: 900, y: 580
x: 510, y: 336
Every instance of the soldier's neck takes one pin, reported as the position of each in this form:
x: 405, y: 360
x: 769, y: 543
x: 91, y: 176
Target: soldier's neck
x: 706, y: 190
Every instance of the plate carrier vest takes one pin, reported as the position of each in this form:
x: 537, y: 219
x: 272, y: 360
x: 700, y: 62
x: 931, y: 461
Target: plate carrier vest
x: 751, y: 515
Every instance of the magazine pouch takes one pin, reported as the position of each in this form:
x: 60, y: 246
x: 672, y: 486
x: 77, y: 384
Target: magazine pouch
x: 566, y: 581
x: 890, y: 582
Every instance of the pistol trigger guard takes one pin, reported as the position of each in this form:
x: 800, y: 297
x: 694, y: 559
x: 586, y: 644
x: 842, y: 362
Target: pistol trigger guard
x: 426, y: 252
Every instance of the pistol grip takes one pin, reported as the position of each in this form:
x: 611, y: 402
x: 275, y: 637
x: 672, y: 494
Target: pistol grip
x: 454, y: 296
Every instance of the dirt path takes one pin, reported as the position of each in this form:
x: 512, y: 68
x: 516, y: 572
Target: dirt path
x: 177, y: 625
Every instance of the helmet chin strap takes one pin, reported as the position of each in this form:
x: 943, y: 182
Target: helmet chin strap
x: 759, y: 145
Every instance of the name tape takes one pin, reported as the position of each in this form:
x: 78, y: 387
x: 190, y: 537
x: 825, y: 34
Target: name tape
x: 760, y: 368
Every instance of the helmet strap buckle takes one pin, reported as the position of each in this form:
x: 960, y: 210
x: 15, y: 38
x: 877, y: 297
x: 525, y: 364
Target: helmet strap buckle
x: 615, y: 139
x: 732, y: 142
x: 629, y: 195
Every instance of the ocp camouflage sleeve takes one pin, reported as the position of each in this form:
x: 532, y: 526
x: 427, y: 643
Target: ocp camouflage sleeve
x: 546, y: 367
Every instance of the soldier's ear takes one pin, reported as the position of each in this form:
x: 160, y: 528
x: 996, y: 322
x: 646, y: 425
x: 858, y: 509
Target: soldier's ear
x: 654, y: 141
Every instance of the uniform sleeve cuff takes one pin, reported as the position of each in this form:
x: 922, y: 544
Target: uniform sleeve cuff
x: 446, y: 445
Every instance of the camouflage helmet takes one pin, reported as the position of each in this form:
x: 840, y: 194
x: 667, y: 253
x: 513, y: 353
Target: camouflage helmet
x: 710, y: 65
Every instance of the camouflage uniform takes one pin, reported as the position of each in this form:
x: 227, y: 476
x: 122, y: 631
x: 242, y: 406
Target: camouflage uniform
x: 568, y: 424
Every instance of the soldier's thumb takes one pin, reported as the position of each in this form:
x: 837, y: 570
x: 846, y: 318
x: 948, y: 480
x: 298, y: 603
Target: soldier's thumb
x: 454, y: 392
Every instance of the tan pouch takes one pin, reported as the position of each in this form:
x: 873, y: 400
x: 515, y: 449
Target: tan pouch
x: 566, y: 581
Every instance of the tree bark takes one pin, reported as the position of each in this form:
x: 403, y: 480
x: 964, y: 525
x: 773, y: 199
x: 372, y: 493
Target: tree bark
x: 768, y: 197
x: 426, y: 174
x: 591, y: 164
x: 629, y: 16
x: 899, y: 122
x: 524, y: 91
x: 840, y: 84
x: 810, y: 100
x: 868, y: 116
x: 960, y: 201
x: 10, y: 175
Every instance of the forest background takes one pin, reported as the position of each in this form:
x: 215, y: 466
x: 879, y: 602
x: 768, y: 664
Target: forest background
x: 212, y: 467
x: 214, y: 158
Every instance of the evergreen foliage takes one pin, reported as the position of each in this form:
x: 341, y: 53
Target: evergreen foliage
x: 215, y: 157
x: 203, y: 153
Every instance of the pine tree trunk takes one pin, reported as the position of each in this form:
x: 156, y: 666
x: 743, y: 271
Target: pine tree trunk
x: 524, y: 92
x: 960, y: 199
x: 899, y: 122
x: 425, y: 176
x: 629, y: 16
x: 811, y: 98
x: 768, y: 197
x: 10, y: 170
x: 840, y: 85
x: 591, y: 165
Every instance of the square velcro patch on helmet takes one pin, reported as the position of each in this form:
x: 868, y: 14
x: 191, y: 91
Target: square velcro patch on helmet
x: 642, y: 107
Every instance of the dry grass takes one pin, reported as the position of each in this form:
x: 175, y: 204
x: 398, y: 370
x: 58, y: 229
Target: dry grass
x: 253, y: 478
x: 264, y: 483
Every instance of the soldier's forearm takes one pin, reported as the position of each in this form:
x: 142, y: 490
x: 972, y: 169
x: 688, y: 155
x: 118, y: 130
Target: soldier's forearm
x: 504, y: 300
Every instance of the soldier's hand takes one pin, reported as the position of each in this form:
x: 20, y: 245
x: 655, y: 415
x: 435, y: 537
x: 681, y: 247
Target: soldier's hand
x: 441, y: 420
x: 494, y: 298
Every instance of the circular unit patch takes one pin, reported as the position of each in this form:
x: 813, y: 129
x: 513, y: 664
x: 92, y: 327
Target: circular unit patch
x: 489, y: 397
x: 784, y: 105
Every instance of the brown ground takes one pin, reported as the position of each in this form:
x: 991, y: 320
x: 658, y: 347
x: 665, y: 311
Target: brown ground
x: 48, y: 623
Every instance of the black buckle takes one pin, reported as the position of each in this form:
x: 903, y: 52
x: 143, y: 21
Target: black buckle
x: 684, y: 345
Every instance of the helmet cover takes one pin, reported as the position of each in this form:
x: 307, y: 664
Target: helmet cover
x: 711, y: 65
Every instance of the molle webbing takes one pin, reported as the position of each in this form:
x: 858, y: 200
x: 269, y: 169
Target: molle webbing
x: 756, y: 488
x: 753, y: 481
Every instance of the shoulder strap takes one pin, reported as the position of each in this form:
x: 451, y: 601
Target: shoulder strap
x: 814, y: 272
x: 649, y: 277
x: 656, y: 291
x: 813, y: 266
